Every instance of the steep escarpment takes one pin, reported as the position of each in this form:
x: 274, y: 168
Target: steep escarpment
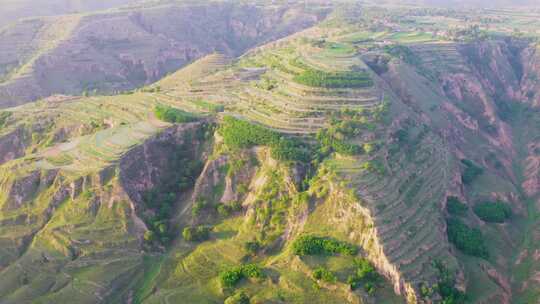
x: 479, y: 100
x: 58, y: 224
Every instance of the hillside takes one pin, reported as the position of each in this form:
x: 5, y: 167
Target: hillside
x: 374, y: 155
x: 115, y: 51
x: 13, y: 10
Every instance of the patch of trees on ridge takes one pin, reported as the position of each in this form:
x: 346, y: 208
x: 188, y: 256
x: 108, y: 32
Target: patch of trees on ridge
x: 314, y: 245
x: 173, y: 115
x: 238, y: 133
x: 493, y: 212
x: 333, y: 80
x: 467, y: 239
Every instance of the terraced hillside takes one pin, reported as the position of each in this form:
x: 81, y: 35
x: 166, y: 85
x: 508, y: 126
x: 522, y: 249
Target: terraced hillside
x: 361, y: 160
x: 118, y: 50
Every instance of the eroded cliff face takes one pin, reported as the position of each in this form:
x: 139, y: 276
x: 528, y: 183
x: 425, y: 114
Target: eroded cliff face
x: 482, y: 101
x: 55, y: 219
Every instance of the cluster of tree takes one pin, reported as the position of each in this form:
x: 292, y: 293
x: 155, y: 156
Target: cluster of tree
x: 196, y: 234
x: 173, y: 115
x: 230, y: 277
x: 455, y: 207
x: 332, y: 80
x: 446, y: 286
x: 467, y: 239
x: 161, y: 203
x: 343, y: 127
x: 470, y: 33
x: 329, y: 142
x: 314, y: 245
x: 242, y: 134
x: 493, y: 212
x: 471, y: 171
x: 323, y: 274
x: 161, y: 200
x: 365, y: 274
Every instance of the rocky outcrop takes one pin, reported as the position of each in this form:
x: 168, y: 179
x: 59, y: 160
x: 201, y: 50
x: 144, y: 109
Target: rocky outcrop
x: 152, y: 163
x: 12, y: 145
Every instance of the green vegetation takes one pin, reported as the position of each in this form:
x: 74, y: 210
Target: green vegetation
x: 446, y: 286
x: 208, y: 106
x: 318, y: 78
x: 196, y: 234
x: 230, y: 277
x: 238, y: 298
x: 161, y: 200
x: 493, y: 212
x: 323, y: 274
x: 365, y: 274
x: 242, y: 134
x: 4, y: 117
x: 173, y: 115
x: 471, y: 172
x: 330, y: 142
x: 404, y: 53
x: 252, y: 247
x: 455, y: 207
x: 374, y: 167
x: 469, y: 240
x: 226, y: 210
x: 344, y: 126
x: 313, y: 245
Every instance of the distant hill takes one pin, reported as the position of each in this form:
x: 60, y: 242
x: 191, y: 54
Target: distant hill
x: 13, y: 10
x: 467, y: 3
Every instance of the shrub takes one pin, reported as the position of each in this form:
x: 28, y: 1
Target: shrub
x: 330, y: 143
x: 493, y: 212
x: 369, y: 288
x: 446, y: 287
x: 323, y: 274
x: 366, y: 273
x: 223, y: 210
x: 471, y: 171
x: 237, y: 298
x: 252, y: 247
x: 196, y: 234
x: 469, y: 240
x: 230, y: 277
x: 252, y: 271
x: 455, y: 207
x: 198, y: 207
x: 313, y: 245
x: 173, y: 115
x: 149, y: 236
x: 374, y: 167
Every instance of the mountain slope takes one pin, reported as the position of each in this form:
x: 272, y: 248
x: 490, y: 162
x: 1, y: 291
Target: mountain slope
x: 346, y: 163
x: 121, y: 50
